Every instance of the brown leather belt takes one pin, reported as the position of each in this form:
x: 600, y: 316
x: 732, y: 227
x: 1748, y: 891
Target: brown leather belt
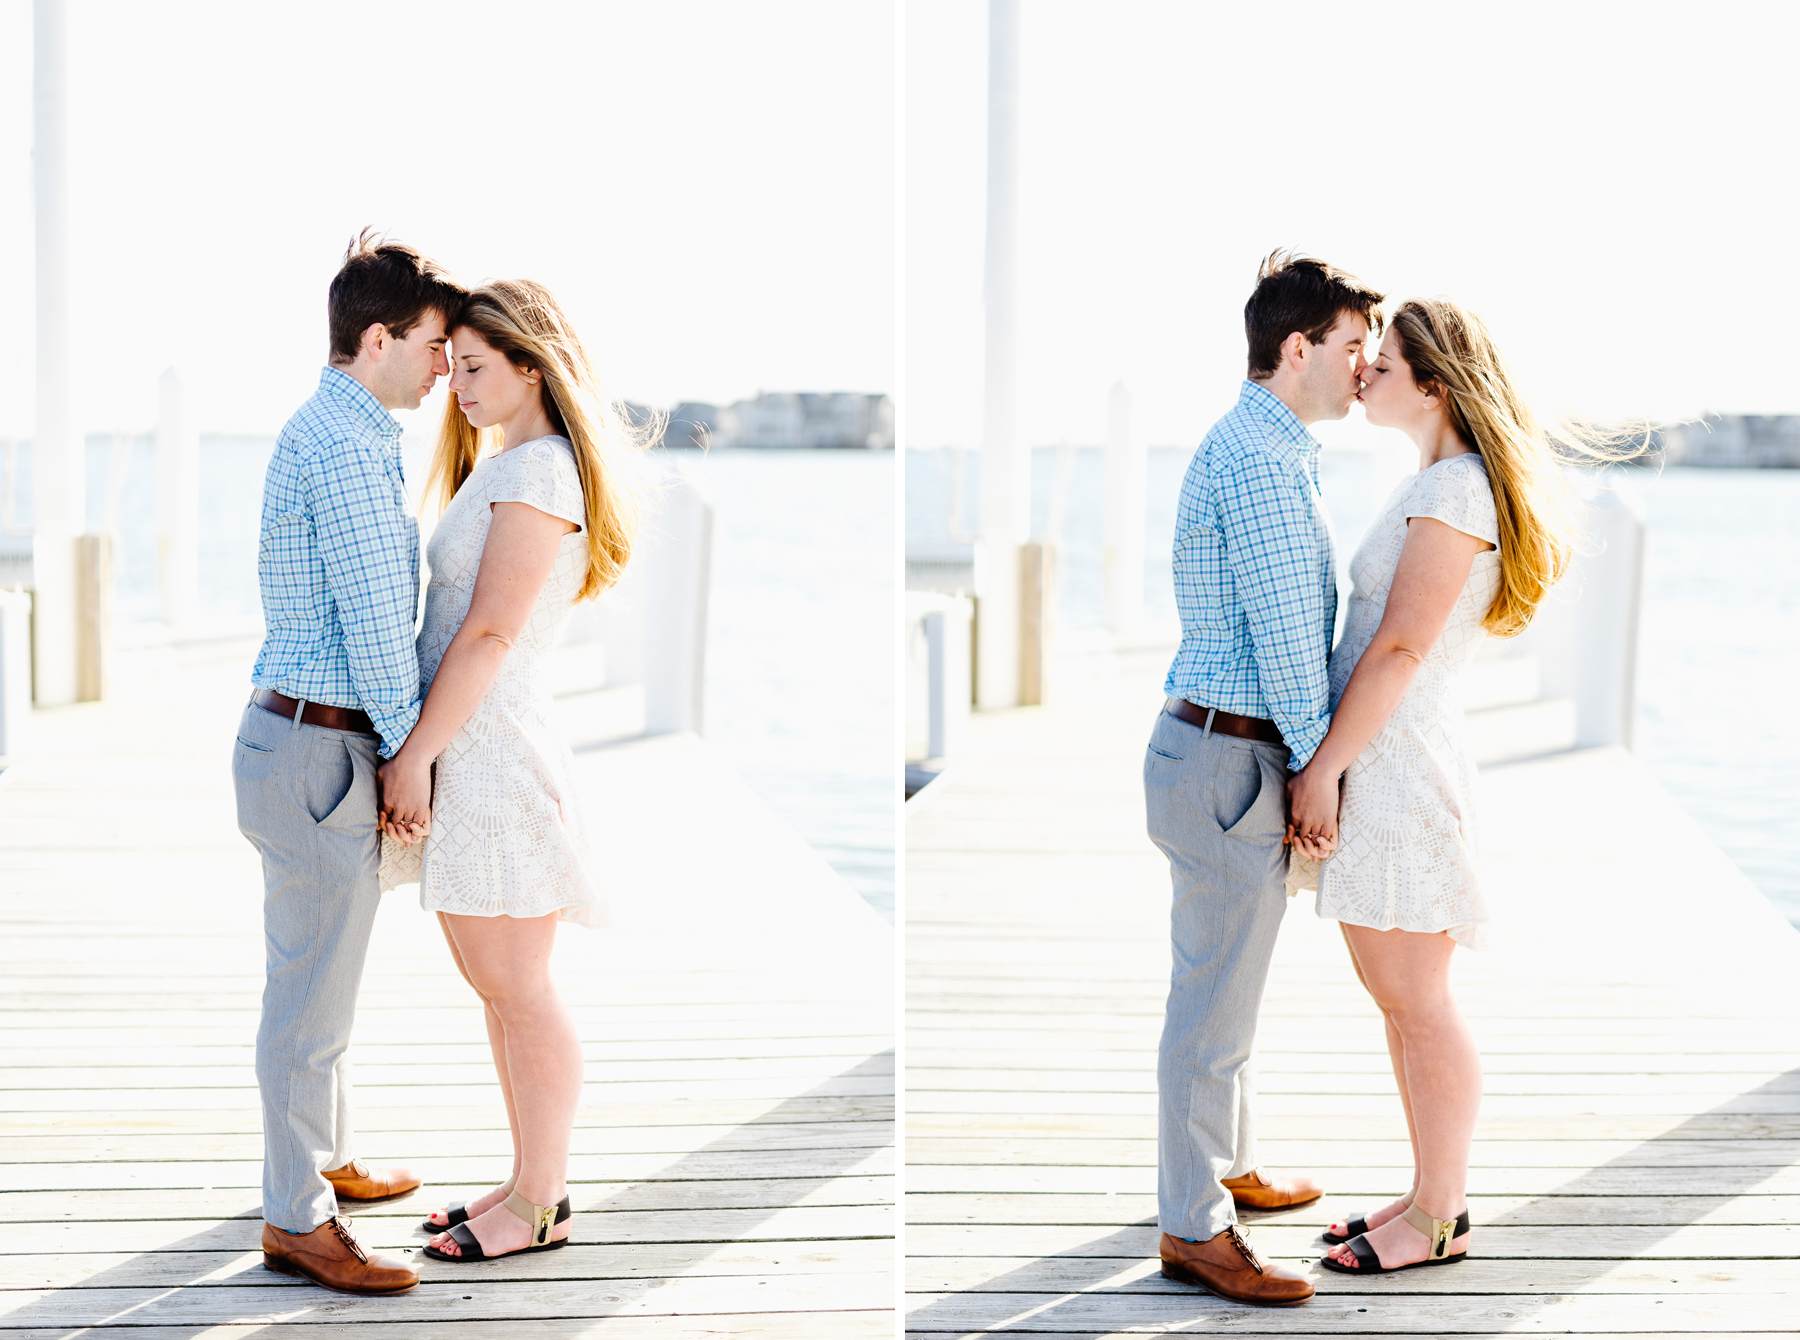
x: 315, y: 714
x: 1225, y: 723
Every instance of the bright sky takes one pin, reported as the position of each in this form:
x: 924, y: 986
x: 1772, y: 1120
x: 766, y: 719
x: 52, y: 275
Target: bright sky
x: 1611, y: 186
x: 707, y: 186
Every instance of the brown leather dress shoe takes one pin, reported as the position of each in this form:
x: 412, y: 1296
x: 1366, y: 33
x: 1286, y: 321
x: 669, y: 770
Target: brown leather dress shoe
x: 1229, y: 1266
x: 1256, y: 1190
x: 356, y: 1180
x: 332, y: 1257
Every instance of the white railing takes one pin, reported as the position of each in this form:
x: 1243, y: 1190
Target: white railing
x: 939, y: 688
x: 15, y: 671
x: 1568, y: 681
x: 1584, y: 639
x: 650, y: 630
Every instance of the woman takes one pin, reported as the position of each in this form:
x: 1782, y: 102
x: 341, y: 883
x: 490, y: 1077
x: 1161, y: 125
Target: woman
x: 525, y: 533
x: 1468, y: 546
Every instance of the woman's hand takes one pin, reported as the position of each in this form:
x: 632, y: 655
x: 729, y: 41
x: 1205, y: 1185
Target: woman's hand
x: 1313, y: 798
x: 405, y: 804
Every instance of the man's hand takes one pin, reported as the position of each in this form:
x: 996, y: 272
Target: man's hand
x: 1313, y: 800
x: 404, y: 808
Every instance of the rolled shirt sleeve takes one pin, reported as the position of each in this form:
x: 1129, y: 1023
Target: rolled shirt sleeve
x: 1271, y: 544
x: 367, y: 544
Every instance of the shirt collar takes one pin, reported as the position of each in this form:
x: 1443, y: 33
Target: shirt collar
x: 1268, y: 407
x: 342, y: 387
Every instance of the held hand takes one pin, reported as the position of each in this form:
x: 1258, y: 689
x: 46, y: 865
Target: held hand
x: 1313, y: 812
x: 405, y: 805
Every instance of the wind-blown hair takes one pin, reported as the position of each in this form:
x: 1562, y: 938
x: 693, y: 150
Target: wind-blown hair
x: 520, y: 319
x: 1451, y: 354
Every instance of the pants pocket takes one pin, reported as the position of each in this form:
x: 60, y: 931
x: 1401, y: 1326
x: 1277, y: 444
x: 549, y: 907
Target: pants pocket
x: 1264, y: 816
x: 1236, y: 787
x: 250, y: 761
x: 1171, y: 738
x: 355, y: 809
x: 329, y: 778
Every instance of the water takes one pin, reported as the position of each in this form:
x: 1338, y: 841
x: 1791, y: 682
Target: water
x: 1719, y: 654
x: 931, y: 491
x: 801, y: 630
x: 803, y: 635
x: 1719, y: 661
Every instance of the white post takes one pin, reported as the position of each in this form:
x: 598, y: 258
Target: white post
x: 947, y: 677
x: 1606, y: 625
x: 57, y: 465
x: 15, y: 671
x: 1005, y: 468
x: 677, y: 574
x: 1123, y: 521
x: 177, y: 506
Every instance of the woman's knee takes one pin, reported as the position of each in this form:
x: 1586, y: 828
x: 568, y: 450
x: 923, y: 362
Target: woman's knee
x: 512, y: 995
x: 1405, y: 998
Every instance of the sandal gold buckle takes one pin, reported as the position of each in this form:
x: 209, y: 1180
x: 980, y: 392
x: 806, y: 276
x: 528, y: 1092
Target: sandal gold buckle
x: 1444, y: 1230
x: 546, y: 1216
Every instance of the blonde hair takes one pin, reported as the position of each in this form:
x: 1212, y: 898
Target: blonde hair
x: 521, y: 320
x: 1451, y: 354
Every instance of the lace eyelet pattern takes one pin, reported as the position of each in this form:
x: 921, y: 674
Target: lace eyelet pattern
x: 1408, y: 840
x: 508, y: 837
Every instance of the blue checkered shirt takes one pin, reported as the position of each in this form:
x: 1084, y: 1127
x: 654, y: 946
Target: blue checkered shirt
x: 339, y: 562
x: 1254, y: 576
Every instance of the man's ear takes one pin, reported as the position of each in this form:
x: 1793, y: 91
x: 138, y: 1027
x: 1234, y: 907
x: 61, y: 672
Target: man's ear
x: 1293, y: 349
x: 374, y: 341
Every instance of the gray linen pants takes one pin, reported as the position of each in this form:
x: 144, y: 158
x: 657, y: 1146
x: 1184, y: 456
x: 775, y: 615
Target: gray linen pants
x: 306, y: 800
x: 1216, y: 807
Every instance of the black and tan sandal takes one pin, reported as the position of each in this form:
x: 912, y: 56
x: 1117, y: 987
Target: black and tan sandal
x: 542, y: 1219
x: 1356, y: 1224
x: 1439, y: 1232
x: 459, y: 1214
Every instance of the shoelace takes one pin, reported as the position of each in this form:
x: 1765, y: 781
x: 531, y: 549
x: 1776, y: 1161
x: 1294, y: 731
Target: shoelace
x: 341, y: 1226
x: 1243, y: 1245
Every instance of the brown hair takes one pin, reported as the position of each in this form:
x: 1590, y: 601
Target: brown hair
x: 1450, y: 354
x: 386, y: 282
x: 521, y: 320
x: 1298, y: 293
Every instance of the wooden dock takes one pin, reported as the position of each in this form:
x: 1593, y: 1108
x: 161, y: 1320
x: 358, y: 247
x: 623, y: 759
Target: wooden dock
x: 1637, y: 1164
x: 731, y: 1172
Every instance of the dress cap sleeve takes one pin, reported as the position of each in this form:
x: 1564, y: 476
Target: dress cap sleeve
x: 543, y: 475
x: 1457, y: 493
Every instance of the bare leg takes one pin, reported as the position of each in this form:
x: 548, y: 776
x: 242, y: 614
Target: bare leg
x: 496, y: 1045
x: 1397, y: 1059
x: 1396, y: 1046
x: 508, y: 962
x: 1408, y: 974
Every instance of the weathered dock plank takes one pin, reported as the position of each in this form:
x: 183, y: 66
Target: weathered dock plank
x: 732, y: 1163
x: 1637, y: 1164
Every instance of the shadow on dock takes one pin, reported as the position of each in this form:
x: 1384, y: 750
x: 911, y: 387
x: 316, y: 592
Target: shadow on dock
x: 223, y: 1253
x: 1636, y: 1227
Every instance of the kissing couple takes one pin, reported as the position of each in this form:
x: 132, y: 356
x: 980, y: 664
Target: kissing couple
x: 1280, y: 762
x: 368, y: 758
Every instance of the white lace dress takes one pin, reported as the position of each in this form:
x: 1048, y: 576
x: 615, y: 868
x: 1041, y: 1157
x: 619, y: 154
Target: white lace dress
x: 507, y: 835
x: 1408, y: 850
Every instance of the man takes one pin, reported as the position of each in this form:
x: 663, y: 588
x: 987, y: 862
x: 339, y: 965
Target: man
x: 337, y: 690
x: 1247, y: 705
